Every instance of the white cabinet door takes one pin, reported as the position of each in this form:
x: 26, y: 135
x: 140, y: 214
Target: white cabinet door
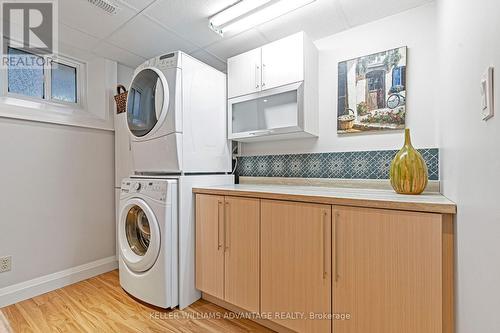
x: 244, y: 73
x: 283, y: 62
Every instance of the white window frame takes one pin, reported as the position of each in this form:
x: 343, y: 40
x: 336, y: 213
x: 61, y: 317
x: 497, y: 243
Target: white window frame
x: 79, y: 105
x: 79, y: 82
x: 89, y: 111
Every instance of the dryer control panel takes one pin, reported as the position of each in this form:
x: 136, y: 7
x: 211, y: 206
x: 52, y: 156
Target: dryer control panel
x: 168, y: 60
x: 165, y: 61
x: 154, y: 189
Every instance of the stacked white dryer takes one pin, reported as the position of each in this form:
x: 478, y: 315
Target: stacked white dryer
x: 176, y: 116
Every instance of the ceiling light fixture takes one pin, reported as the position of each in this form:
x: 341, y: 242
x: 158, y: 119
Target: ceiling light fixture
x: 238, y: 9
x: 247, y: 14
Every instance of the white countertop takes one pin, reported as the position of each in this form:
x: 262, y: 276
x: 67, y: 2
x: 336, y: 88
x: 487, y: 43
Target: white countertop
x: 426, y: 202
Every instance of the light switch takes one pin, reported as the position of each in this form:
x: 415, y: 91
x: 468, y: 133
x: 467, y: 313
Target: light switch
x: 487, y: 106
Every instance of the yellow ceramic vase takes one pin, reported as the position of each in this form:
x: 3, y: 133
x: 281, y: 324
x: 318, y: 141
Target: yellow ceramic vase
x: 408, y: 173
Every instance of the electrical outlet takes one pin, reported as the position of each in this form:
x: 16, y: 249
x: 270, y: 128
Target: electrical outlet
x: 236, y: 148
x: 5, y: 264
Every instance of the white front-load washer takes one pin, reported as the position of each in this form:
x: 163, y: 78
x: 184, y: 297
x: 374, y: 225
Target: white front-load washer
x: 147, y: 239
x: 176, y: 115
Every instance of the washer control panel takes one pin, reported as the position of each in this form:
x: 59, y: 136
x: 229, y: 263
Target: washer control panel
x: 153, y: 189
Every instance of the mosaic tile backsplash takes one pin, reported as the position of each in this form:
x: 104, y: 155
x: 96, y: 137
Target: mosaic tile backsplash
x: 346, y: 165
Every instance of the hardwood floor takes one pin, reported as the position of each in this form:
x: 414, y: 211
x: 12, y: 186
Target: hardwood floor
x: 99, y: 304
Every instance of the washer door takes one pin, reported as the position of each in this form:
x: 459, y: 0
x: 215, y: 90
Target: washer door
x: 139, y: 235
x: 147, y: 97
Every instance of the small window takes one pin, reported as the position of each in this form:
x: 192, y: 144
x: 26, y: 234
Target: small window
x: 25, y: 75
x: 63, y: 82
x: 56, y: 80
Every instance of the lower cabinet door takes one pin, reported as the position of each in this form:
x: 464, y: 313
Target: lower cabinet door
x: 209, y: 244
x: 242, y: 260
x: 387, y: 270
x: 296, y: 264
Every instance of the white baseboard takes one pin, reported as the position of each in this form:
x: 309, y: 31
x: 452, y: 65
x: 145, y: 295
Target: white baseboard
x: 41, y: 285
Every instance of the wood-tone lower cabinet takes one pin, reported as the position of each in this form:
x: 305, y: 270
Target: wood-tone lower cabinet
x: 209, y: 244
x: 227, y: 249
x: 296, y: 264
x: 392, y: 271
x: 242, y: 252
x: 314, y: 267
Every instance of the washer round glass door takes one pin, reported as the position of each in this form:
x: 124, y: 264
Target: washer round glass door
x: 145, y: 101
x: 139, y: 235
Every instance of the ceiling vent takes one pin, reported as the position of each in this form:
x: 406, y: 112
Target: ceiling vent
x: 106, y: 6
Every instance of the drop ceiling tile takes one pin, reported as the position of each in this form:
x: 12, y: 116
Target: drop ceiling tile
x: 318, y: 19
x: 138, y: 4
x: 112, y: 52
x: 81, y: 15
x: 70, y: 37
x: 363, y: 11
x: 189, y: 19
x: 75, y: 52
x: 76, y: 38
x: 147, y: 38
x: 237, y: 44
x: 210, y: 60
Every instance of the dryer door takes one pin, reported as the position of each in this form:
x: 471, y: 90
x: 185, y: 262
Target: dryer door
x: 147, y: 98
x: 138, y: 235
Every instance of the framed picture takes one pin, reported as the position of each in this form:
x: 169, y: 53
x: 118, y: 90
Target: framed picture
x: 372, y: 92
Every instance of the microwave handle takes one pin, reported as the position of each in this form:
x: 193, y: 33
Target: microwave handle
x: 260, y: 133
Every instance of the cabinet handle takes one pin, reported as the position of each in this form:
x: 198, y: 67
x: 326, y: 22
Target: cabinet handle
x: 263, y: 75
x: 226, y: 228
x: 323, y: 230
x: 335, y: 231
x: 257, y: 70
x: 219, y: 245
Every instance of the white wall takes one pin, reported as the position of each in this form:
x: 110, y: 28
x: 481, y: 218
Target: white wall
x: 414, y: 28
x: 125, y: 74
x: 470, y: 155
x: 57, y: 198
x: 57, y: 201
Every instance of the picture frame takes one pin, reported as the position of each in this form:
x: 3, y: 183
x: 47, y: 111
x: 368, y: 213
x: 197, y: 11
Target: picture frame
x: 372, y: 92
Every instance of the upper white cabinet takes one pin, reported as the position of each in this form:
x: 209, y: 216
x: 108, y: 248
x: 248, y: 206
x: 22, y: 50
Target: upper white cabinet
x: 273, y: 91
x: 283, y: 62
x: 245, y: 73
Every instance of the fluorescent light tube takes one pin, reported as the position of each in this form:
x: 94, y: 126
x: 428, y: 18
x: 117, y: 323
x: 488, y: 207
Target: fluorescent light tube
x: 247, y: 15
x: 237, y: 10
